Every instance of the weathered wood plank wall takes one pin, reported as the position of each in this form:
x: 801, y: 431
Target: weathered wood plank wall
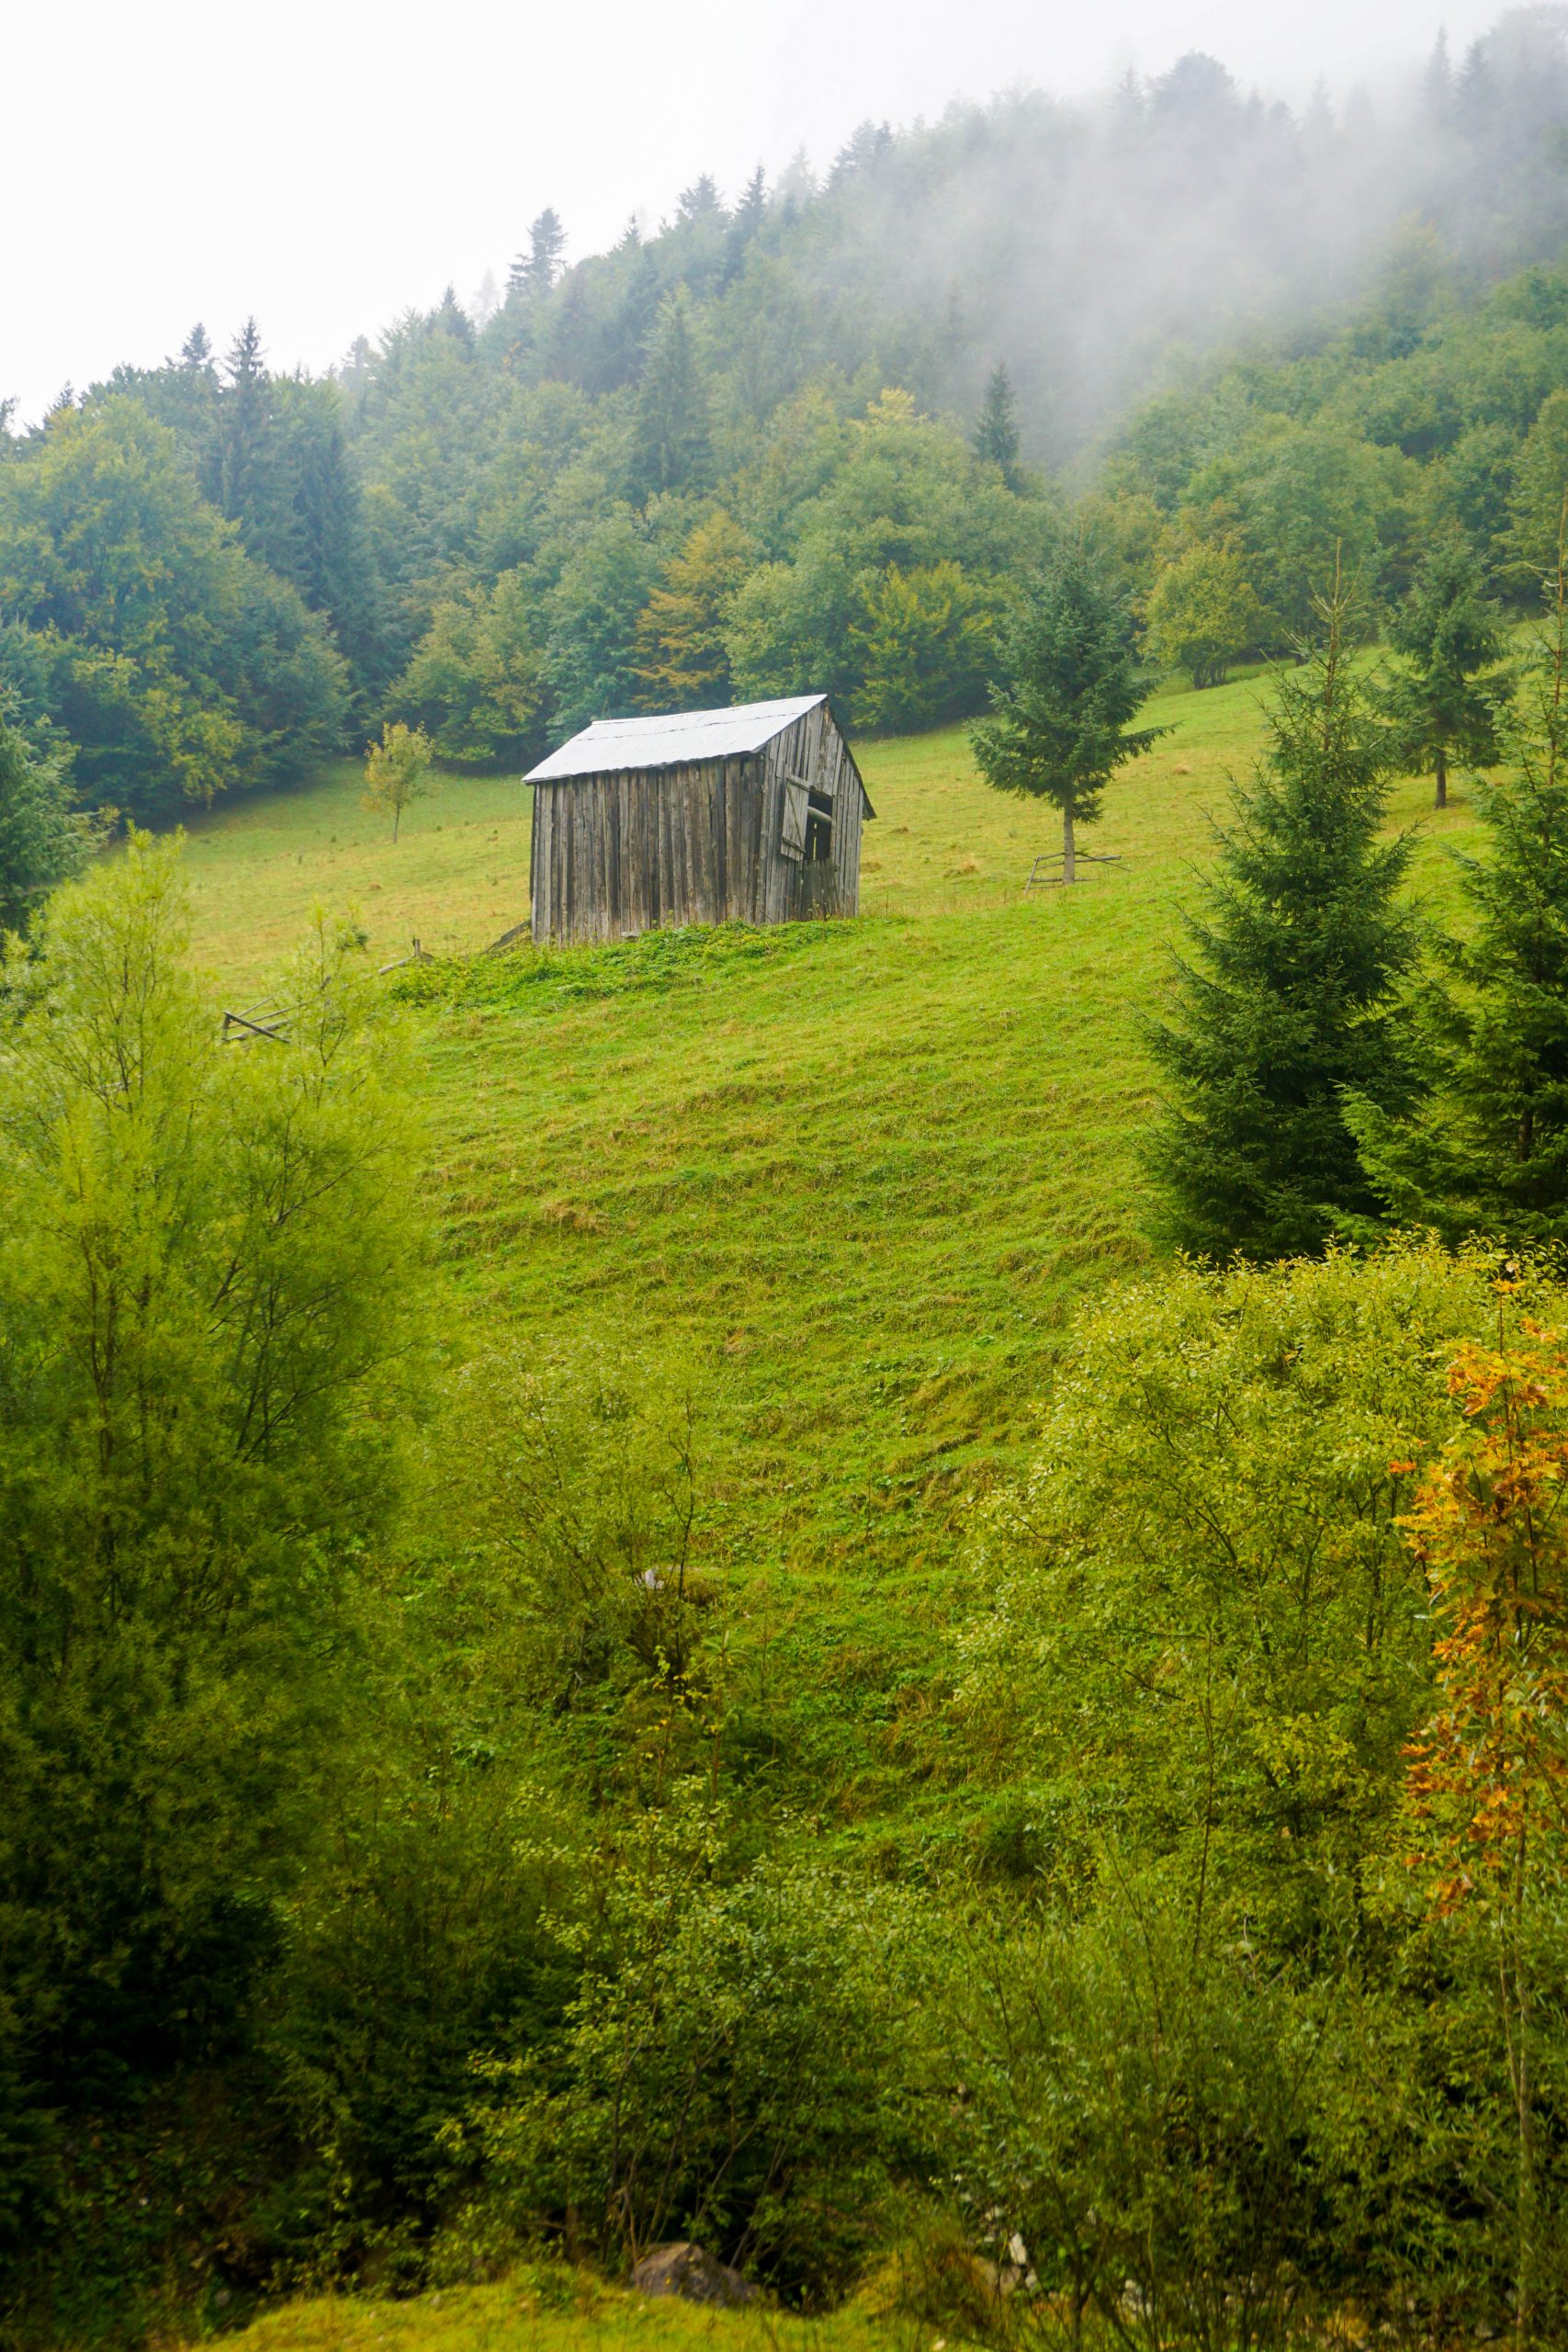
x: 620, y: 853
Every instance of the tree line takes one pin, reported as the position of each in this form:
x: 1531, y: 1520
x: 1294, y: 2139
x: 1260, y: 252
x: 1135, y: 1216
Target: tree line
x: 805, y: 439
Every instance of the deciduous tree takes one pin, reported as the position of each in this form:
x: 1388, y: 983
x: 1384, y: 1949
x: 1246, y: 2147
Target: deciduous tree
x: 476, y: 679
x: 923, y: 643
x: 1203, y: 614
x: 397, y: 770
x: 683, y: 661
x: 1488, y: 1775
x: 43, y: 841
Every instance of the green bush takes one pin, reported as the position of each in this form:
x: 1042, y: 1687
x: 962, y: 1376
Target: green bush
x: 736, y: 2068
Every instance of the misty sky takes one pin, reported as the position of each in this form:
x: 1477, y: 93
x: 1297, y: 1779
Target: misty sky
x: 325, y: 166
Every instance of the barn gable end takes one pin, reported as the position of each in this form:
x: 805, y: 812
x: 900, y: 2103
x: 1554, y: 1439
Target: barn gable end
x: 749, y: 815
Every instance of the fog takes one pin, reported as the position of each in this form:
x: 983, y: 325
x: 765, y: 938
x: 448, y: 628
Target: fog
x: 325, y: 166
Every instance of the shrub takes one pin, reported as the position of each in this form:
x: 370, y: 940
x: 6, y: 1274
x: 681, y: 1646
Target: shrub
x: 735, y: 2068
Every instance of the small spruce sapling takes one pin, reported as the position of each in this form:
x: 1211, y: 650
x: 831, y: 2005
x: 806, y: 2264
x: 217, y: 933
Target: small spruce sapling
x: 1444, y: 708
x: 1069, y: 686
x: 396, y: 771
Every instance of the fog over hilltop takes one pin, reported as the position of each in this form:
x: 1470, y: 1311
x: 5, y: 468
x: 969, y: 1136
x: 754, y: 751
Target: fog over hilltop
x: 325, y: 180
x: 1094, y: 246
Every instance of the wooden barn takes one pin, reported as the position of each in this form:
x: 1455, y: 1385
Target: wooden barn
x: 749, y: 815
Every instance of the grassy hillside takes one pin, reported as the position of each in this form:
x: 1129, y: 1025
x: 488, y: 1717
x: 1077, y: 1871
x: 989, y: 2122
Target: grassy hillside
x: 850, y: 1178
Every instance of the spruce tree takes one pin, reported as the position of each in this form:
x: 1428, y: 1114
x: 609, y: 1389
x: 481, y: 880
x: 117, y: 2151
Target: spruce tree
x: 746, y: 224
x: 1444, y: 710
x: 996, y: 436
x: 533, y: 274
x: 1068, y: 687
x: 672, y: 437
x: 1292, y: 996
x: 240, y: 449
x: 1487, y: 1150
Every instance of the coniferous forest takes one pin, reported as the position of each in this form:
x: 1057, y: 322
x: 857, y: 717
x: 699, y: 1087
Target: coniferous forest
x: 1063, y: 1844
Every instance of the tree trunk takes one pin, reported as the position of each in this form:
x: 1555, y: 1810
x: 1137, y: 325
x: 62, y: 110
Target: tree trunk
x: 1442, y: 799
x: 1070, y: 870
x: 1519, y: 2056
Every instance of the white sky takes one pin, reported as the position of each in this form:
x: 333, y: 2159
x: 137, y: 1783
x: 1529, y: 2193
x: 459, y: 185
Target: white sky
x: 325, y: 165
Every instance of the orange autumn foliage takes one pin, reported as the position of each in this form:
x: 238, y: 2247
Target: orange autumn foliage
x: 1490, y: 1528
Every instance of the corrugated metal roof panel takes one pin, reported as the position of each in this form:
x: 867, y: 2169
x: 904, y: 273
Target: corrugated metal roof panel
x: 612, y: 744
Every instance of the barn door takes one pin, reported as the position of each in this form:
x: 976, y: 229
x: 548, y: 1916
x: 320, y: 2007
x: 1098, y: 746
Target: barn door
x: 796, y: 808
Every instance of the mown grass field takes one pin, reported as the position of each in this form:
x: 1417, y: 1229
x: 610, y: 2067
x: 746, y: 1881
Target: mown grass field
x: 853, y: 1177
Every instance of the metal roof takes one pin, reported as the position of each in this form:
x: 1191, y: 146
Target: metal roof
x: 611, y: 744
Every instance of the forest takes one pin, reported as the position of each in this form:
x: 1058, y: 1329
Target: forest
x: 805, y: 440
x: 890, y: 1596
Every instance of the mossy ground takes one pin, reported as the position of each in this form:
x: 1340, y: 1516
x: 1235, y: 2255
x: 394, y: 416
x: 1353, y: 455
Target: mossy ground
x: 565, y: 2312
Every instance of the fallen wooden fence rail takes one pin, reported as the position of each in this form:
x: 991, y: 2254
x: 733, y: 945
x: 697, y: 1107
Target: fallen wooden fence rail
x: 417, y: 955
x: 253, y: 1028
x: 271, y: 1021
x: 523, y: 930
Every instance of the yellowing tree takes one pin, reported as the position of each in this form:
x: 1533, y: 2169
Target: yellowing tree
x: 1203, y: 614
x: 1488, y: 1778
x: 683, y: 663
x: 397, y: 770
x: 924, y: 643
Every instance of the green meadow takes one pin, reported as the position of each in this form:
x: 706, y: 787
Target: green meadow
x: 849, y: 1180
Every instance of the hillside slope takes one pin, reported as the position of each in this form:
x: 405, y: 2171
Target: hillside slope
x: 847, y: 1180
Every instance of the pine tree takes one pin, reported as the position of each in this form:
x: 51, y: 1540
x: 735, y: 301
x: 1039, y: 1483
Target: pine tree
x: 752, y: 207
x: 1487, y: 1152
x: 1294, y: 996
x: 631, y: 323
x: 1438, y: 83
x: 701, y: 201
x: 196, y: 352
x: 1068, y: 687
x: 240, y: 447
x: 995, y: 437
x: 450, y: 318
x: 1443, y: 709
x: 672, y: 443
x: 533, y: 274
x: 746, y: 224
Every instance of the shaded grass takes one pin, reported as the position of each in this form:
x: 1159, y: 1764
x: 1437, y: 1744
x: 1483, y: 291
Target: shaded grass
x: 852, y: 1177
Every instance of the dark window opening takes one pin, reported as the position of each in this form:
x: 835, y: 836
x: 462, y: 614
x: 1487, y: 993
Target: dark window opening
x: 818, y: 830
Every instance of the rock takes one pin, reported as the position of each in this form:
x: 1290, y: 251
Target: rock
x: 694, y: 2274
